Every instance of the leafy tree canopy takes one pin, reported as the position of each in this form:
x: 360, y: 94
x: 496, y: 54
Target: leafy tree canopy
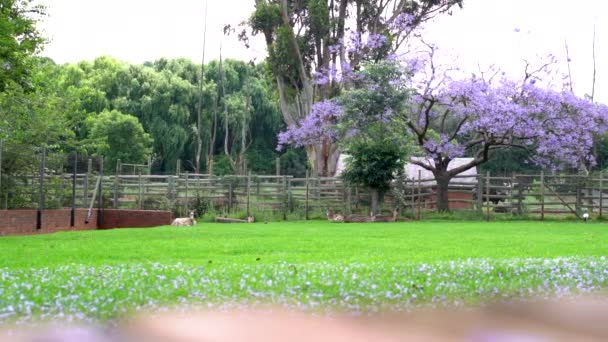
x: 117, y: 136
x: 19, y: 40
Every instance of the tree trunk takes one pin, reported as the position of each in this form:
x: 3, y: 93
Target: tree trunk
x: 323, y: 159
x: 443, y: 203
x: 375, y: 201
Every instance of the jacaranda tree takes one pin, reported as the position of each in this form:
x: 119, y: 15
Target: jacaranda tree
x: 313, y: 44
x: 361, y: 122
x: 475, y: 116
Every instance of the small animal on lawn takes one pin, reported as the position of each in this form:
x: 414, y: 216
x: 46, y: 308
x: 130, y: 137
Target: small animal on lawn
x: 386, y: 218
x: 333, y: 217
x: 585, y: 216
x: 358, y: 218
x: 184, y: 221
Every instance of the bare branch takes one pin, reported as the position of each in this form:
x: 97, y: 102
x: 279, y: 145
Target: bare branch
x: 568, y: 62
x: 423, y: 165
x: 594, y: 69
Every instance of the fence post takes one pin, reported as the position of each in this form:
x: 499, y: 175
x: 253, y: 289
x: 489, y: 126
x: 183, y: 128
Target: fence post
x: 61, y: 190
x: 520, y: 198
x: 542, y: 195
x: 349, y: 199
x: 480, y: 194
x: 116, y: 184
x: 100, y: 195
x: 186, y: 187
x: 488, y: 196
x: 74, y: 174
x: 85, y: 191
x: 41, y: 189
x: 344, y: 197
x: 306, y: 197
x: 178, y: 167
x: 230, y: 190
x: 141, y: 191
x: 278, y: 166
x: 578, y: 196
x: 601, y: 193
x: 248, y: 192
x: 290, y: 195
x: 418, y: 215
x: 285, y: 198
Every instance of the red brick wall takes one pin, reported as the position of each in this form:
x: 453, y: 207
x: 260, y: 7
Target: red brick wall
x: 23, y: 222
x: 465, y: 197
x: 118, y: 218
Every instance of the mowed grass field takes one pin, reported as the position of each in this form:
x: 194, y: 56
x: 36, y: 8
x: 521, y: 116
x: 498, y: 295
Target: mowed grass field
x: 314, y: 265
x: 312, y: 241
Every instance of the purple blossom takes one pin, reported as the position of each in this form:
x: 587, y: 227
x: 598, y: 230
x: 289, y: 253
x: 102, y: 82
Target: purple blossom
x: 335, y: 48
x: 559, y: 126
x: 403, y: 22
x: 443, y: 147
x: 376, y: 41
x: 317, y: 127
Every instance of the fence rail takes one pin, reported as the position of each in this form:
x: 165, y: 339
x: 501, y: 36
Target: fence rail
x: 80, y: 183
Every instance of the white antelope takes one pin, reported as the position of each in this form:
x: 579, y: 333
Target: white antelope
x: 184, y: 221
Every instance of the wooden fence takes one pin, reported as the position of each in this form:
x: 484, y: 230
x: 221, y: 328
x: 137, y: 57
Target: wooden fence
x: 55, y: 180
x: 288, y: 197
x: 531, y: 194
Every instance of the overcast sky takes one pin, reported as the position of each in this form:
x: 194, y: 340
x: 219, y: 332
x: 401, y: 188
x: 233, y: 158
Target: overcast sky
x: 485, y: 32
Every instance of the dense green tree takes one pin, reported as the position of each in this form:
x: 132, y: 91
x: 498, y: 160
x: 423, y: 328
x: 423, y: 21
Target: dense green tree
x: 31, y: 118
x: 117, y: 136
x: 164, y: 96
x: 19, y: 40
x: 368, y: 132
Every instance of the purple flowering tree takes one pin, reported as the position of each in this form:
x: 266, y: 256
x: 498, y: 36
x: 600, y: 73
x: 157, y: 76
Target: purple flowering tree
x: 478, y: 115
x: 361, y: 122
x: 313, y: 53
x: 449, y: 118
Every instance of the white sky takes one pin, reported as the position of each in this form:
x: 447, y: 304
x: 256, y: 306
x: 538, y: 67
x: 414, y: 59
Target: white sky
x: 482, y: 33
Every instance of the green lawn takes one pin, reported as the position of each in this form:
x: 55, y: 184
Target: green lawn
x: 316, y: 265
x: 312, y: 241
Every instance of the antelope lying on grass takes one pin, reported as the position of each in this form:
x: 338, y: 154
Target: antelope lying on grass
x: 333, y: 217
x: 184, y: 221
x: 358, y: 218
x: 386, y: 218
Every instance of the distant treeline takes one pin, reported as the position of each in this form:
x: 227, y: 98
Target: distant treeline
x: 139, y: 112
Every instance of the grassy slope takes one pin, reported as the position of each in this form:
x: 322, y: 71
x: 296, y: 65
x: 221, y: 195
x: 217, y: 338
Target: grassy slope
x: 311, y: 241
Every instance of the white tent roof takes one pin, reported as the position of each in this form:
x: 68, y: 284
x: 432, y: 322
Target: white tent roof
x: 341, y: 164
x: 411, y: 170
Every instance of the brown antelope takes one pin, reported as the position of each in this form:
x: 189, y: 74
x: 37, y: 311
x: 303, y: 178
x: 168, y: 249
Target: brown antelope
x: 184, y: 221
x: 331, y: 216
x: 386, y: 218
x: 358, y: 218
